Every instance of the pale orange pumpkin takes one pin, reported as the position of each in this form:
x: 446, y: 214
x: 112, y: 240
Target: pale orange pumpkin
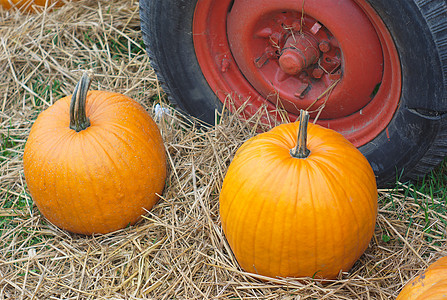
x: 30, y: 5
x: 429, y: 285
x: 94, y: 165
x: 298, y: 209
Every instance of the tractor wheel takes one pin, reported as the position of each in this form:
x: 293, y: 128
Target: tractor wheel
x: 373, y: 70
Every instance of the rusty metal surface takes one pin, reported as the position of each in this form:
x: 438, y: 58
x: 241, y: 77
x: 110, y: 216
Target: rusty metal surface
x: 329, y: 57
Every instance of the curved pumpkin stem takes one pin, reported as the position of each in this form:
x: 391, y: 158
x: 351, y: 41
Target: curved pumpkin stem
x: 78, y: 117
x: 301, y: 151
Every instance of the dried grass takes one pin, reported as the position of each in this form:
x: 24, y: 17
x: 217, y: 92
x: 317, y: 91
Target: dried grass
x: 178, y: 250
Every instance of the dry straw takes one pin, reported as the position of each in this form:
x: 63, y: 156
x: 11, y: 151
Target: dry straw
x: 178, y: 251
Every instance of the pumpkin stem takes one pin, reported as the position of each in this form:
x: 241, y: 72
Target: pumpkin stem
x: 301, y: 151
x: 78, y: 117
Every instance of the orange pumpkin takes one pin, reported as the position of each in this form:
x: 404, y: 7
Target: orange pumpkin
x: 430, y: 285
x: 30, y: 5
x: 94, y: 165
x: 298, y: 209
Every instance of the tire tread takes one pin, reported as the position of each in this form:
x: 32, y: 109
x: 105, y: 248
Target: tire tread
x: 435, y: 14
x: 147, y: 32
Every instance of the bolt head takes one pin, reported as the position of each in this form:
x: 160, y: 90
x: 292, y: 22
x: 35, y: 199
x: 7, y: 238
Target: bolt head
x: 317, y: 73
x: 296, y: 26
x: 324, y: 46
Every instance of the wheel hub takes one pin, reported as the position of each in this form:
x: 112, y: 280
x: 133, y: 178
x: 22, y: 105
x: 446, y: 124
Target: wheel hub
x: 335, y: 59
x: 299, y: 52
x: 302, y: 72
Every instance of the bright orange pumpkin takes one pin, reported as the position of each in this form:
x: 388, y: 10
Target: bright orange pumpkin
x: 97, y: 166
x: 295, y: 213
x: 430, y: 285
x: 30, y: 5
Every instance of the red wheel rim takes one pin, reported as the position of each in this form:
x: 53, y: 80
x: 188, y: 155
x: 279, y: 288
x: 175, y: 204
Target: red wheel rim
x: 333, y: 58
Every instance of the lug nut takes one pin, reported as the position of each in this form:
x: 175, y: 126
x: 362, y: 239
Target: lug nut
x: 317, y: 73
x: 296, y: 26
x: 324, y: 46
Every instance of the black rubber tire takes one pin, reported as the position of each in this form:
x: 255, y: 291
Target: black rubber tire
x: 416, y: 138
